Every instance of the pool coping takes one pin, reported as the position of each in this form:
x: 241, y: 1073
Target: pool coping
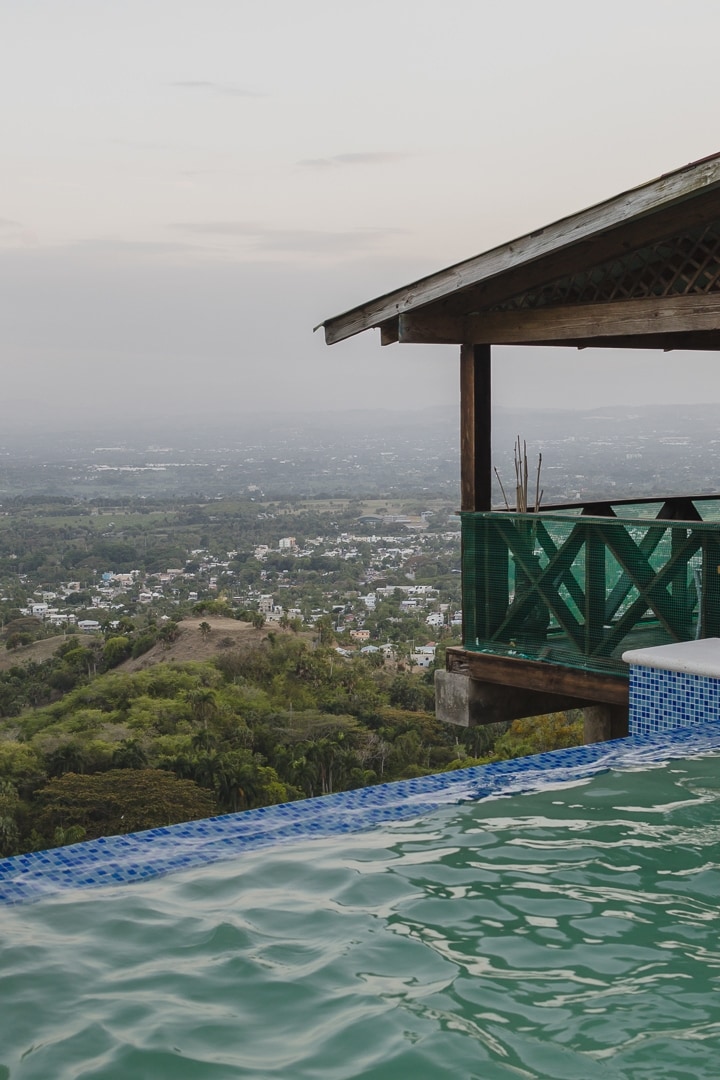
x: 133, y: 857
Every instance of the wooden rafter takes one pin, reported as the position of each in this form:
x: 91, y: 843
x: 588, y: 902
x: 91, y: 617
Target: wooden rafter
x: 545, y: 678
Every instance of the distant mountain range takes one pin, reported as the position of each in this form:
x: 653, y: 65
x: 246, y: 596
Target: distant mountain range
x: 600, y: 453
x: 229, y: 429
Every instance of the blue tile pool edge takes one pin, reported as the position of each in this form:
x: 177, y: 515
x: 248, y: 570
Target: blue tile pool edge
x: 663, y: 699
x: 116, y: 860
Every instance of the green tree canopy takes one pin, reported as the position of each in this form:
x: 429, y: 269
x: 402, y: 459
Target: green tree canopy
x: 120, y: 801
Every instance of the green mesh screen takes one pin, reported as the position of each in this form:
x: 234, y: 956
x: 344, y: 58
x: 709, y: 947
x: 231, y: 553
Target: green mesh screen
x: 579, y: 591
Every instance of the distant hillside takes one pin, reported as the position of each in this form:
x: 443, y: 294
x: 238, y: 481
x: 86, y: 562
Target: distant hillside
x: 38, y: 651
x: 193, y: 644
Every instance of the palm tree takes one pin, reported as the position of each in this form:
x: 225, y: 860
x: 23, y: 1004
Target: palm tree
x: 128, y: 755
x: 203, y: 703
x: 72, y: 834
x: 66, y: 758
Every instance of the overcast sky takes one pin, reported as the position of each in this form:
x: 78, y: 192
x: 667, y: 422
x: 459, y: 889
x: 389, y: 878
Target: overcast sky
x: 187, y: 187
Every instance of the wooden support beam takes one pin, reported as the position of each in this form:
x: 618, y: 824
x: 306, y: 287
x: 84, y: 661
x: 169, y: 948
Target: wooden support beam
x: 475, y: 428
x: 536, y: 675
x: 597, y: 509
x: 679, y: 508
x: 389, y: 332
x: 574, y: 322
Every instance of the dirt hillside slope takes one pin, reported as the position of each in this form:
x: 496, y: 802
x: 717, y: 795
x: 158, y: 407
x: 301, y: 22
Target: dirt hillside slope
x: 192, y: 644
x: 39, y: 650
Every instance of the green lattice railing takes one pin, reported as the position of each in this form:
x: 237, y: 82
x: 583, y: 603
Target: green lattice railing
x: 579, y: 590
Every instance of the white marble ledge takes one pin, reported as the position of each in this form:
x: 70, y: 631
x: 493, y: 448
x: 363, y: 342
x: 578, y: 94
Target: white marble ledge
x: 690, y: 657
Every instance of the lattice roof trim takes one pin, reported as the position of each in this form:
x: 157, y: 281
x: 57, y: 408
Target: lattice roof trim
x: 687, y: 265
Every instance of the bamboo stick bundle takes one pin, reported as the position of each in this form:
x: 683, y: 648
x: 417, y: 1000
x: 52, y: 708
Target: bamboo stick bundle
x: 522, y: 477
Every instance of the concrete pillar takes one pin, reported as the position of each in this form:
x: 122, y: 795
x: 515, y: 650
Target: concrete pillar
x: 604, y: 722
x: 469, y: 702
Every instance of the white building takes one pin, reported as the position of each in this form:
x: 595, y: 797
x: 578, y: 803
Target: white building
x: 424, y: 655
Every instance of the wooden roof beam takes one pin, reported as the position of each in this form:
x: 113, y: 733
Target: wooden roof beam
x: 390, y: 332
x: 664, y: 316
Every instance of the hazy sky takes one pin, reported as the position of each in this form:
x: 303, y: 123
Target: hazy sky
x: 187, y: 187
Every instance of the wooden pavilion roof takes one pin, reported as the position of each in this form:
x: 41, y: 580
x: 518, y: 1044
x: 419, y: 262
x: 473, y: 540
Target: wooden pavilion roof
x: 641, y: 270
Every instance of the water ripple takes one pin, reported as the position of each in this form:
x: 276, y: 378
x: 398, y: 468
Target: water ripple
x: 434, y: 948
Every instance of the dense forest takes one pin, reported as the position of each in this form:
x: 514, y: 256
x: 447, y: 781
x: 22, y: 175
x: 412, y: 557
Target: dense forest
x: 186, y: 701
x: 93, y: 752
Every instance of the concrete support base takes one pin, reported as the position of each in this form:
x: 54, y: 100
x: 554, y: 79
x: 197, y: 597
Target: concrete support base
x: 469, y: 702
x: 603, y: 722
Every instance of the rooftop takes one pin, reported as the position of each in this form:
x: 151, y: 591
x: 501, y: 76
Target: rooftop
x: 641, y: 269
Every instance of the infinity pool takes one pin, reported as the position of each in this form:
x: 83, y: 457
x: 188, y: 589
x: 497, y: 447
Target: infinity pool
x: 571, y: 932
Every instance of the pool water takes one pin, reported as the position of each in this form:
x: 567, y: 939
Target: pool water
x: 573, y: 932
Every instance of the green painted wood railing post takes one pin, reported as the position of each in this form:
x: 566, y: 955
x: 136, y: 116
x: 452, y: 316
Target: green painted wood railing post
x: 710, y: 602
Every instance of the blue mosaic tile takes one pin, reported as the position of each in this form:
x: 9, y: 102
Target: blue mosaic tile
x: 120, y: 860
x: 662, y: 700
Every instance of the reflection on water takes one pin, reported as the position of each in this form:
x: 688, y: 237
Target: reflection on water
x: 571, y: 933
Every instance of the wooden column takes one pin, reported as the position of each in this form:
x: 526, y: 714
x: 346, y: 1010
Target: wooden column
x: 475, y: 428
x: 475, y: 473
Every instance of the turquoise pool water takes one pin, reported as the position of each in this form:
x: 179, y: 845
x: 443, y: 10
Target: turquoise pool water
x: 573, y: 932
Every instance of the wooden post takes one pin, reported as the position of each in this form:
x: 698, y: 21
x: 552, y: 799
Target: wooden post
x: 475, y: 428
x: 595, y: 590
x: 710, y: 600
x: 475, y: 463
